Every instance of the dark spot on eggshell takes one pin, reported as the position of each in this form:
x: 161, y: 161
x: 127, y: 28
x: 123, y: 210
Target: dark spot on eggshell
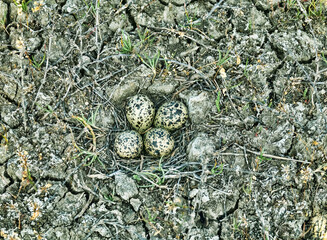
x: 171, y: 115
x: 128, y: 144
x: 158, y: 142
x: 140, y: 112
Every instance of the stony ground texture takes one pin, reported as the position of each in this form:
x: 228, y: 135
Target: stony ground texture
x: 249, y: 164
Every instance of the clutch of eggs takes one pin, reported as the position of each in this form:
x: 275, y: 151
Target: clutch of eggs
x: 158, y: 142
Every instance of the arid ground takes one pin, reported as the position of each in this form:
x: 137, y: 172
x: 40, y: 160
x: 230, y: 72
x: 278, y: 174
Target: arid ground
x: 250, y: 163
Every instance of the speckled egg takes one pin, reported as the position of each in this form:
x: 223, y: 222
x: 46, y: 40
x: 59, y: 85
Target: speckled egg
x: 128, y: 144
x: 171, y: 115
x: 158, y: 142
x: 140, y: 112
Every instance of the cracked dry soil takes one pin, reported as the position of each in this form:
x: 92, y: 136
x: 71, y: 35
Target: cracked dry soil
x: 249, y: 164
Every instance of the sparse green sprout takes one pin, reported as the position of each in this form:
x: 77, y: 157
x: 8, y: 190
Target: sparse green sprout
x: 167, y: 65
x: 217, y: 170
x: 262, y: 158
x: 246, y: 70
x: 154, y: 178
x: 190, y: 21
x: 236, y: 224
x: 290, y: 3
x: 3, y: 22
x: 126, y: 44
x: 250, y: 25
x: 4, y: 135
x: 137, y: 177
x: 151, y: 62
x: 222, y: 59
x: 88, y: 156
x: 47, y: 108
x: 146, y: 39
x: 305, y: 93
x: 316, y: 9
x: 23, y: 4
x: 36, y: 64
x: 323, y: 58
x: 109, y: 196
x: 91, y: 6
x: 151, y: 217
x: 162, y: 179
x: 144, y: 36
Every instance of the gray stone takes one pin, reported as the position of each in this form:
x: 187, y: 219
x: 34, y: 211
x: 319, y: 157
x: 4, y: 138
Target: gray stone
x: 3, y: 41
x: 301, y: 150
x: 259, y: 74
x: 297, y: 113
x: 315, y: 126
x: 33, y: 43
x: 274, y: 140
x: 136, y: 203
x: 125, y: 186
x: 14, y: 169
x: 58, y: 233
x: 29, y: 41
x: 201, y: 146
x: 74, y: 7
x: 59, y: 46
x: 175, y: 2
x: 43, y: 100
x: 236, y: 3
x: 4, y: 181
x: 68, y: 208
x: 164, y: 14
x: 266, y: 5
x: 118, y: 22
x: 104, y: 118
x: 217, y: 204
x: 298, y: 45
x: 217, y: 31
x: 137, y: 232
x: 199, y: 104
x: 143, y: 75
x: 260, y: 21
x: 56, y: 167
x: 163, y: 87
x: 7, y: 150
x: 43, y: 16
x: 172, y: 14
x: 122, y: 91
x: 9, y: 87
x: 10, y: 114
x: 4, y: 154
